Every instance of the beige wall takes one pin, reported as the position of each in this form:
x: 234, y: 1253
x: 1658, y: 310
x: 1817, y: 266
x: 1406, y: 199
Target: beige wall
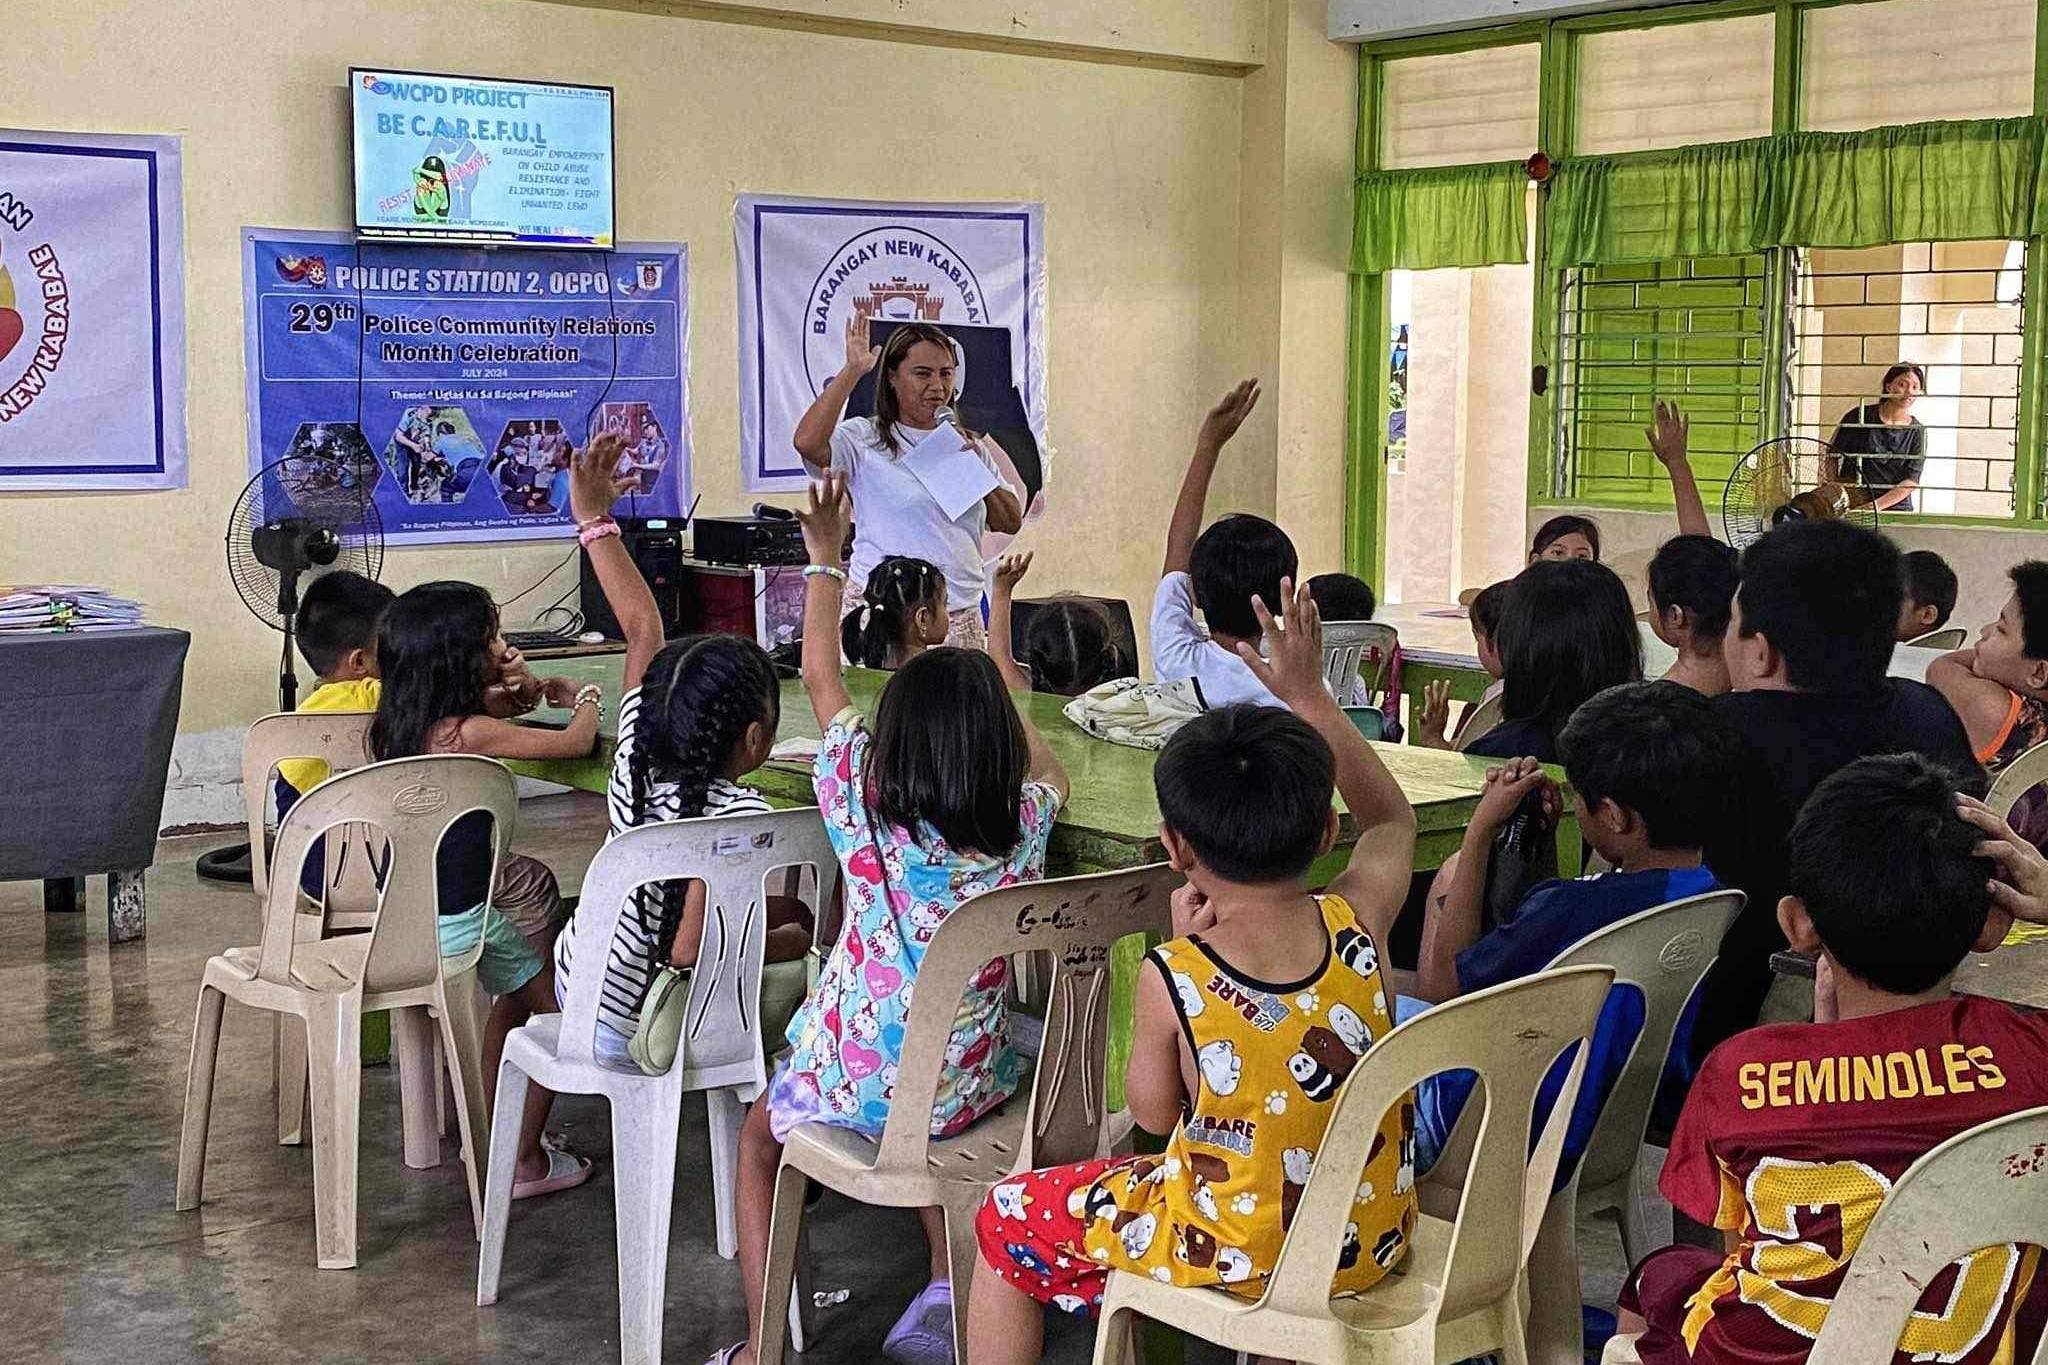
x: 1196, y: 222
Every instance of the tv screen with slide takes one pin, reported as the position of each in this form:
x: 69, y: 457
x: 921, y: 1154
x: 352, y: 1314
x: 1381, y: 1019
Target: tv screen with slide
x: 476, y: 160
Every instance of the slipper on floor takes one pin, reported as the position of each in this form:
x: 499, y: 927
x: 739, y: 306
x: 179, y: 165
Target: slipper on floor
x: 566, y: 1171
x: 726, y: 1355
x: 924, y: 1334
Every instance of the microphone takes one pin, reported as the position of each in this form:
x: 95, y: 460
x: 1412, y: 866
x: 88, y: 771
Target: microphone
x: 766, y: 512
x: 947, y: 415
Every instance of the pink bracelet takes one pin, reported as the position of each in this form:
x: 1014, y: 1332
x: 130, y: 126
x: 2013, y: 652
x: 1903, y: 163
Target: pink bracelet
x: 599, y: 531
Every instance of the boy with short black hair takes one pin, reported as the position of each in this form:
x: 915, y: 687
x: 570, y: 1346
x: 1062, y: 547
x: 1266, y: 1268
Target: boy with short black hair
x: 1218, y: 572
x: 1241, y: 1074
x: 1342, y: 597
x: 1652, y: 774
x: 336, y: 629
x: 1793, y: 1134
x: 2000, y: 687
x: 1930, y: 594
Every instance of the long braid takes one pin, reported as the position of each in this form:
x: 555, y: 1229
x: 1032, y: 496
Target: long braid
x: 714, y: 687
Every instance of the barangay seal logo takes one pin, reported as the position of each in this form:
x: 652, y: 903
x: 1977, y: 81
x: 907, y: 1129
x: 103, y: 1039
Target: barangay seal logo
x: 893, y: 273
x: 35, y: 310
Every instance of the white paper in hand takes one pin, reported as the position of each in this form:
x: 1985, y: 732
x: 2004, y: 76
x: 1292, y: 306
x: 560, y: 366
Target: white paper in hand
x: 950, y: 471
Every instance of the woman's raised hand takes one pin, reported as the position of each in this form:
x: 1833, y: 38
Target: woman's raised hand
x: 860, y: 356
x: 594, y: 481
x: 825, y: 517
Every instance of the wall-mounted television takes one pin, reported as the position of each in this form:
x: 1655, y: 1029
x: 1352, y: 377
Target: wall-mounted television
x: 478, y: 160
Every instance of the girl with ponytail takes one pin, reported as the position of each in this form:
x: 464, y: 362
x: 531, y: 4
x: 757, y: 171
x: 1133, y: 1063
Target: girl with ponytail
x: 704, y: 716
x: 901, y: 615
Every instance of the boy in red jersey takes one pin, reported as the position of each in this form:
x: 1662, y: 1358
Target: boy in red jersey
x: 1793, y: 1134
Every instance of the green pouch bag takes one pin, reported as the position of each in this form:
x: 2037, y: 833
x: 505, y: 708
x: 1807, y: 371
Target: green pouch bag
x: 660, y: 1033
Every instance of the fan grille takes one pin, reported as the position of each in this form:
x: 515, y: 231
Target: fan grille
x: 321, y: 492
x: 1786, y: 473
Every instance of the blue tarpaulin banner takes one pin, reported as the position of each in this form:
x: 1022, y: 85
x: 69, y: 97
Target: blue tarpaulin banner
x: 459, y: 382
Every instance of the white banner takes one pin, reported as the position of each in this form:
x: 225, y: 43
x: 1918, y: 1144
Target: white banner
x: 808, y: 265
x: 92, y: 312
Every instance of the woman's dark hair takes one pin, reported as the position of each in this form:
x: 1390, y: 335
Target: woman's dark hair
x: 1557, y: 528
x: 1567, y: 632
x: 434, y: 652
x: 887, y: 411
x: 1070, y: 645
x: 949, y: 752
x: 1697, y: 574
x: 895, y: 590
x: 696, y: 702
x: 1486, y: 609
x: 1900, y: 371
x: 1342, y: 597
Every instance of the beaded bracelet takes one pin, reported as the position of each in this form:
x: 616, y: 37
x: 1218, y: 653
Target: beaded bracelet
x: 824, y: 571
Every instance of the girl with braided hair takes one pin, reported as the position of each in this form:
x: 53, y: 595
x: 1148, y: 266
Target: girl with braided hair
x: 902, y: 613
x: 704, y: 716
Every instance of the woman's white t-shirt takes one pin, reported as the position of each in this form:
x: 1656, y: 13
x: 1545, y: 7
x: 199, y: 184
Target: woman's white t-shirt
x: 894, y: 515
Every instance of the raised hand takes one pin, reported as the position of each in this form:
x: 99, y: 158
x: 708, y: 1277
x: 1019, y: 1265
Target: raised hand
x: 1432, y: 725
x: 825, y: 516
x: 1010, y: 571
x: 1228, y: 415
x: 594, y: 481
x: 1292, y: 668
x: 1670, y: 434
x: 860, y: 356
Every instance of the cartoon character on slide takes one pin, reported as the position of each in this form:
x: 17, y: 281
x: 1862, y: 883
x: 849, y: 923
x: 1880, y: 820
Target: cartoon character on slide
x: 430, y: 189
x: 11, y: 326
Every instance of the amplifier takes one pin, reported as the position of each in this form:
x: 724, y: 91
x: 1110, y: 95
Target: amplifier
x: 748, y: 541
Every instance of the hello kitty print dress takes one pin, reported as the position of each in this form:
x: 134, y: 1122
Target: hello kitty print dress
x: 900, y: 887
x: 1214, y: 1208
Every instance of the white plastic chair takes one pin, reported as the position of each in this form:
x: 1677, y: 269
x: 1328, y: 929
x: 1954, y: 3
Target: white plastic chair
x: 1950, y: 637
x: 2019, y: 777
x: 720, y: 1052
x: 1459, y: 1292
x: 1355, y: 649
x: 1065, y: 1118
x: 330, y: 983
x: 1982, y: 1188
x: 1478, y: 719
x: 1663, y: 951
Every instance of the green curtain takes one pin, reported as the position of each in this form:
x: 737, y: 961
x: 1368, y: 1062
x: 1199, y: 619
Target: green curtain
x: 1438, y: 217
x: 1927, y: 182
x: 1657, y: 206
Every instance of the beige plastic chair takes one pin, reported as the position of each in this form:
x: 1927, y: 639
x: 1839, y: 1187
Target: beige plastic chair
x: 1354, y: 650
x: 720, y: 1052
x: 1478, y: 719
x: 1664, y: 951
x: 1982, y: 1188
x: 2019, y: 777
x: 1065, y: 1118
x: 1460, y: 1291
x: 330, y: 983
x: 1951, y: 637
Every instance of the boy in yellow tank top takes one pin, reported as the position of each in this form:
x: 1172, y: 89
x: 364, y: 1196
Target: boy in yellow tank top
x: 1248, y: 1022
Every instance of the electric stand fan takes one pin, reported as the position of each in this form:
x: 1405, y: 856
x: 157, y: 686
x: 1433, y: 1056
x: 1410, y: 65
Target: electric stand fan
x: 1783, y: 480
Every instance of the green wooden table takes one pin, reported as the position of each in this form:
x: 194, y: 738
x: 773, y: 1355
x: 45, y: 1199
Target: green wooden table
x: 1110, y: 821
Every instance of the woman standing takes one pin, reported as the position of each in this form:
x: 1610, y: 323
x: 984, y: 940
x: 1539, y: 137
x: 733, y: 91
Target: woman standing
x: 1881, y: 447
x: 894, y: 513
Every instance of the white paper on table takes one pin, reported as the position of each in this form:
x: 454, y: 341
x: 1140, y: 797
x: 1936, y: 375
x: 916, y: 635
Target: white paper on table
x: 951, y: 471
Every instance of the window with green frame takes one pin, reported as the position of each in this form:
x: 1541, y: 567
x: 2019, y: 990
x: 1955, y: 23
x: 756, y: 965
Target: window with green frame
x: 1690, y: 330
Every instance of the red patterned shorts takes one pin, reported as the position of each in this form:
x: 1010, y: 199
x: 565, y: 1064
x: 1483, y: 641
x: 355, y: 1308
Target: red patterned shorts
x: 1033, y: 1235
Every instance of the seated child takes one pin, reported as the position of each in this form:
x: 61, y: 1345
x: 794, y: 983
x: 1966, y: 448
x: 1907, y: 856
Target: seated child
x: 1567, y: 631
x: 704, y: 717
x: 1930, y: 594
x: 1244, y: 798
x: 1342, y: 597
x: 1651, y: 768
x: 1692, y: 595
x: 1793, y: 1134
x: 1069, y: 645
x: 1483, y: 615
x: 2000, y: 688
x: 336, y: 628
x: 901, y: 614
x: 1218, y: 573
x: 440, y: 654
x: 950, y: 794
x: 1566, y: 537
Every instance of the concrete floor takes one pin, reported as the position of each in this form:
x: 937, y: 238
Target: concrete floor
x: 96, y: 1265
